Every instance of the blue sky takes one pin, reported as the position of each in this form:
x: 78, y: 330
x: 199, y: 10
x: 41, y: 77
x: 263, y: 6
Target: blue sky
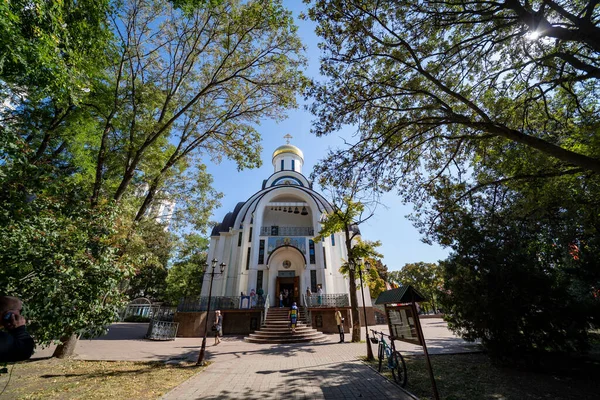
x: 401, y: 242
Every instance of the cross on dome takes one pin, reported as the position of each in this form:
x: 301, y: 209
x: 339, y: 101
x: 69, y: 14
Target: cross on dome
x: 288, y: 137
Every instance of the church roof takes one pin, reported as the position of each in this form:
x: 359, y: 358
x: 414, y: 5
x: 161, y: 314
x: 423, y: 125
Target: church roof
x: 228, y: 220
x: 288, y: 148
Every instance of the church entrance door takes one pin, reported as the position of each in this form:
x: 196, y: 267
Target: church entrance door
x: 292, y: 285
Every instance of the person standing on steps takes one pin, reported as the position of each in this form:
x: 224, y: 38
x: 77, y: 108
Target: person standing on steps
x: 308, y: 295
x: 293, y: 317
x: 280, y: 299
x: 339, y: 320
x: 219, y: 325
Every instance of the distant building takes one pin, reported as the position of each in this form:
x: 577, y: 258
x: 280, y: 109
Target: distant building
x: 162, y: 208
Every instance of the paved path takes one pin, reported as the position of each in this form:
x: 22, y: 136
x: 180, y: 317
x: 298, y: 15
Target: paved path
x: 241, y: 370
x: 295, y: 371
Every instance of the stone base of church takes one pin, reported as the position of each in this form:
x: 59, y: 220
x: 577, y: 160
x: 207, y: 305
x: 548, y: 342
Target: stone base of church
x: 243, y: 322
x: 323, y: 319
x: 235, y: 322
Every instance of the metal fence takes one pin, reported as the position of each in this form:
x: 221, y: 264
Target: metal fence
x: 140, y: 310
x: 258, y: 302
x: 287, y: 231
x: 222, y: 303
x: 327, y: 300
x: 150, y: 311
x: 162, y: 330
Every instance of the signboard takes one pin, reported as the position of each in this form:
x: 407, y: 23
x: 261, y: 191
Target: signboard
x: 244, y: 301
x: 402, y: 323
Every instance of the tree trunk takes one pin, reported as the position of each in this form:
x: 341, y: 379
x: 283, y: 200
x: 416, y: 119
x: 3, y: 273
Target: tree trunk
x: 67, y: 348
x: 354, y: 308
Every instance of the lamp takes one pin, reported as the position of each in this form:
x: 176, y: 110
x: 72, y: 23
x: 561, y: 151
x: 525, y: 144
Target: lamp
x: 290, y: 210
x: 304, y: 212
x: 212, y: 275
x: 296, y: 211
x: 362, y: 291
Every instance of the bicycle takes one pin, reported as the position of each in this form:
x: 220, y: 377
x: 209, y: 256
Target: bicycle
x: 395, y: 361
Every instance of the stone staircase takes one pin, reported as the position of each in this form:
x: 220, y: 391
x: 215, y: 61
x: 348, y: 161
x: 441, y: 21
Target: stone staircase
x: 276, y: 329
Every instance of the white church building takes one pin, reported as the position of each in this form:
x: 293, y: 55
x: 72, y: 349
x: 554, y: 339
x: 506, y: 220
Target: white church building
x: 267, y: 245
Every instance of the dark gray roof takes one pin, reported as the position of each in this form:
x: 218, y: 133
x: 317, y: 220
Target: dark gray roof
x: 403, y: 294
x: 228, y: 220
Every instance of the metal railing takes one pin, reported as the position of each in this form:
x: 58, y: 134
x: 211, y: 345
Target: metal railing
x: 263, y: 315
x: 287, y: 231
x: 221, y: 303
x: 162, y: 330
x: 305, y: 303
x: 259, y: 302
x: 326, y: 300
x: 144, y: 310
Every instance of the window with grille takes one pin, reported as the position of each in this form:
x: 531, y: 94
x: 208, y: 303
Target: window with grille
x: 311, y: 251
x: 261, y: 252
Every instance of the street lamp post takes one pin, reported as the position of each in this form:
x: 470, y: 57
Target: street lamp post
x: 362, y: 291
x: 212, y: 275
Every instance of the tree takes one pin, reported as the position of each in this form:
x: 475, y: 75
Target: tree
x: 382, y: 270
x: 52, y: 49
x: 446, y: 90
x: 345, y: 217
x: 425, y: 277
x: 189, y: 84
x: 150, y: 245
x: 523, y: 275
x: 375, y: 282
x: 187, y: 273
x: 154, y: 90
x: 484, y: 114
x: 63, y: 261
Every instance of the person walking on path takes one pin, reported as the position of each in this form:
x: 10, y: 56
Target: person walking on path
x: 293, y: 317
x: 219, y: 327
x: 339, y: 320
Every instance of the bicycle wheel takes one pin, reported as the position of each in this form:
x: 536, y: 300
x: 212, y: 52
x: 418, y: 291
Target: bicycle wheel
x: 381, y: 354
x: 398, y: 368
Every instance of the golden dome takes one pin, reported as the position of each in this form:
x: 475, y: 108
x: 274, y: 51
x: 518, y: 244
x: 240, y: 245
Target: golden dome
x: 288, y: 148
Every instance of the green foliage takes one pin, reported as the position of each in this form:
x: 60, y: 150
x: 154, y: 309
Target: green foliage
x: 113, y: 106
x: 136, y: 318
x: 64, y: 264
x: 485, y: 116
x: 425, y: 277
x: 149, y: 248
x: 447, y: 90
x: 187, y: 273
x: 375, y: 282
x: 53, y: 48
x: 522, y: 275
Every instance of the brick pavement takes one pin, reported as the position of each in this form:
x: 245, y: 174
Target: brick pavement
x: 327, y: 370
x: 241, y: 370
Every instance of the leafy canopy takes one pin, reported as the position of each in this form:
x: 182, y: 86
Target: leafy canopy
x: 449, y: 89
